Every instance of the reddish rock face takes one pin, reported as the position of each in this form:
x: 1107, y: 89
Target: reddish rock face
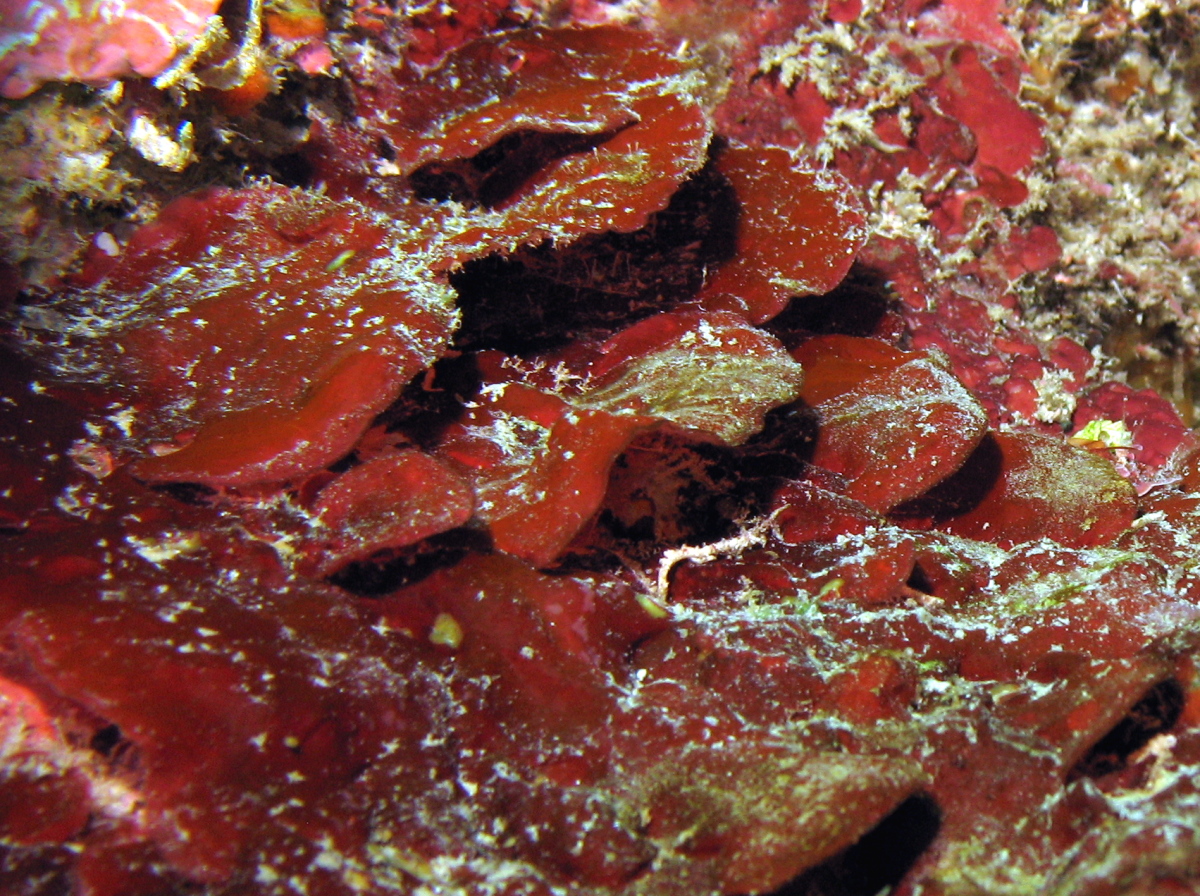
x: 723, y: 570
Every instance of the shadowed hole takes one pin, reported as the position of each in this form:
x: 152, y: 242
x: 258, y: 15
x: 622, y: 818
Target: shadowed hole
x: 433, y: 400
x: 1156, y: 712
x: 105, y: 739
x: 784, y: 446
x: 187, y: 492
x: 392, y: 570
x: 120, y: 754
x: 855, y: 307
x: 918, y: 580
x: 961, y: 492
x: 878, y: 861
x: 664, y: 490
x: 495, y: 175
x: 542, y: 296
x: 293, y: 169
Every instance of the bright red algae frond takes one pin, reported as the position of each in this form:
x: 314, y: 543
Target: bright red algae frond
x: 314, y: 583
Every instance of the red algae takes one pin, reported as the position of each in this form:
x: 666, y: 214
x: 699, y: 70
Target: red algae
x: 1049, y: 490
x: 817, y: 572
x: 898, y: 433
x: 390, y: 501
x: 539, y: 447
x: 797, y: 233
x: 220, y: 298
x: 539, y: 467
x: 503, y: 122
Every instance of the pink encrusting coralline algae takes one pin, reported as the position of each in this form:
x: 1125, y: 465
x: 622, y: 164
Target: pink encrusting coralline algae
x: 95, y: 41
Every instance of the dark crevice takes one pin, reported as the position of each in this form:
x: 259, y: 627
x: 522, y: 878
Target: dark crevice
x: 292, y: 169
x: 856, y: 307
x: 235, y: 17
x: 495, y: 176
x: 663, y: 490
x: 543, y: 296
x: 104, y: 740
x: 392, y: 570
x: 434, y: 400
x: 1156, y: 712
x: 878, y: 861
x: 187, y: 492
x: 784, y: 446
x: 120, y: 753
x: 919, y: 581
x: 961, y: 492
